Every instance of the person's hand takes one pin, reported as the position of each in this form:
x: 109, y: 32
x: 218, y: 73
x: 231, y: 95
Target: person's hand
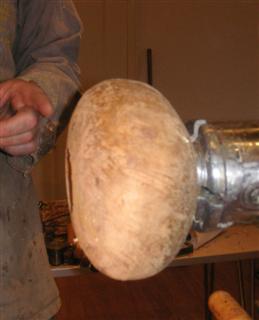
x: 19, y: 130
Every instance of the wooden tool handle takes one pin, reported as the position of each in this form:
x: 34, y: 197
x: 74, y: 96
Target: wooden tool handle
x: 224, y: 307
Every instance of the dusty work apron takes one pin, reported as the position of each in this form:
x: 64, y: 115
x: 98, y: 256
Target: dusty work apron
x: 27, y: 290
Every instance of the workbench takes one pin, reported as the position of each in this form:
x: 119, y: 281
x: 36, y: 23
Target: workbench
x: 234, y: 244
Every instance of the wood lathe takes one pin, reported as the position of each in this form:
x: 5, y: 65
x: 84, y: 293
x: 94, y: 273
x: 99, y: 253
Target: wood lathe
x: 137, y: 181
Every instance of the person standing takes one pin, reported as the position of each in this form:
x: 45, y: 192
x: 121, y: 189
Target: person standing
x: 39, y: 44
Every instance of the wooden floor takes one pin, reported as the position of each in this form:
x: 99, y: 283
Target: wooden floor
x: 175, y: 294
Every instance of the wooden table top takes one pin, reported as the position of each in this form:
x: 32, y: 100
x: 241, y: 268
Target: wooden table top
x: 236, y: 243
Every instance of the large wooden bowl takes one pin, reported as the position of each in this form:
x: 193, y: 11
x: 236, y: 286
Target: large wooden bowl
x: 131, y: 179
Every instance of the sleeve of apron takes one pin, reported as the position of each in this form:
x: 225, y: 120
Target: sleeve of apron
x: 48, y: 37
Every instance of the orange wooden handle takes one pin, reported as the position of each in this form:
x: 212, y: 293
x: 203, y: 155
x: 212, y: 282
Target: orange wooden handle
x: 224, y: 307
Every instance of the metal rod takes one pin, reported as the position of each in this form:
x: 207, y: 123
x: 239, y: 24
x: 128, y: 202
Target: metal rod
x: 208, y: 287
x: 252, y: 268
x: 241, y: 284
x: 149, y: 67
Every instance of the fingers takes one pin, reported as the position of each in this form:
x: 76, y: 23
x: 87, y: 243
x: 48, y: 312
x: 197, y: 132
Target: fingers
x: 42, y: 104
x: 22, y: 150
x: 20, y: 139
x: 17, y: 102
x: 25, y: 94
x: 19, y: 133
x: 23, y: 121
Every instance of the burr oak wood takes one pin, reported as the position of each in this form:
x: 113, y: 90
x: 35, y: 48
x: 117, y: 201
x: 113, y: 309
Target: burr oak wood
x: 131, y: 179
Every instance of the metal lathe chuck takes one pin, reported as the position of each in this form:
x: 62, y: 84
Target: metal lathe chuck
x: 228, y: 173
